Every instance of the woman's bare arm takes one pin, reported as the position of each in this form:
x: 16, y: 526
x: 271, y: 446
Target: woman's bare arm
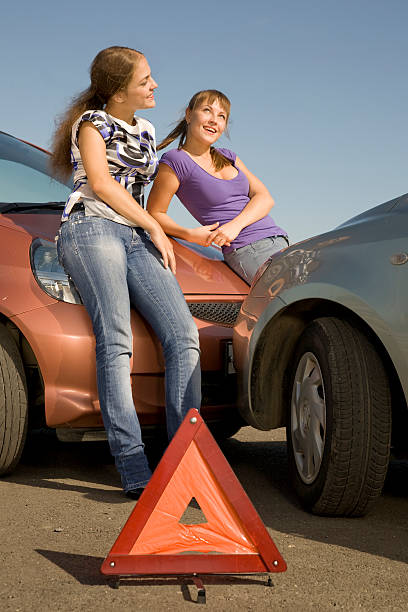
x: 258, y: 207
x: 164, y: 188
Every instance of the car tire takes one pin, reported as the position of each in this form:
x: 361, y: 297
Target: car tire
x: 13, y: 403
x: 339, y: 421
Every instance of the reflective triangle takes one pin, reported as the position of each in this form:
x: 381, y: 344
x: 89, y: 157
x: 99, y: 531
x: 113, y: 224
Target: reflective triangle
x: 233, y: 538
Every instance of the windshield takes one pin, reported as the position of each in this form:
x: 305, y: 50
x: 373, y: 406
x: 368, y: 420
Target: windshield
x: 25, y: 177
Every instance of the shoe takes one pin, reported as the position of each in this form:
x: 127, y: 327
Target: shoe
x: 135, y: 493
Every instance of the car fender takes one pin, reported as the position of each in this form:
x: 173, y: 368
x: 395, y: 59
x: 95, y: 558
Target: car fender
x: 284, y: 318
x: 334, y: 295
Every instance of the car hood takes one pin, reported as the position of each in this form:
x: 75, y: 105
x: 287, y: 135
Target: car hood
x: 197, y: 273
x: 378, y: 211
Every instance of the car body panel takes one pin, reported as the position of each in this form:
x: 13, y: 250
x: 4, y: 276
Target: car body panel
x: 350, y: 267
x: 19, y: 291
x: 197, y: 274
x: 61, y: 338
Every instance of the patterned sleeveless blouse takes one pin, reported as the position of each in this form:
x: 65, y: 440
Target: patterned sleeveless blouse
x: 132, y: 161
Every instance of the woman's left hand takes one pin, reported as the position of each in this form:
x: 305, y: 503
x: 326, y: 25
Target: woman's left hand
x: 224, y: 235
x: 163, y: 244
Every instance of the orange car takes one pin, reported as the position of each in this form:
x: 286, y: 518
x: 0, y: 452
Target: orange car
x: 47, y: 357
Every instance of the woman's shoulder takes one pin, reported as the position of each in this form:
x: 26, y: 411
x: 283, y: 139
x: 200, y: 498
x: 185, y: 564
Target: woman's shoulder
x: 99, y: 118
x: 95, y: 115
x: 174, y: 155
x: 227, y: 153
x: 179, y: 162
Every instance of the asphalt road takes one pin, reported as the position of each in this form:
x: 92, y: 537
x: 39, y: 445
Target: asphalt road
x: 62, y: 510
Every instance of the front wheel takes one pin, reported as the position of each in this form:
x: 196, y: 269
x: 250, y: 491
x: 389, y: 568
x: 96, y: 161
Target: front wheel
x: 13, y: 403
x: 339, y: 421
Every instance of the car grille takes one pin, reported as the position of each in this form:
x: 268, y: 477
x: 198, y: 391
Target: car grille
x: 223, y: 313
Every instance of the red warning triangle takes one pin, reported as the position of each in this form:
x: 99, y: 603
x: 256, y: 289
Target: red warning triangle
x: 233, y: 539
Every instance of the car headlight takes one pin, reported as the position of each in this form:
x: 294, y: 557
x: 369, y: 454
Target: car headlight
x: 49, y: 273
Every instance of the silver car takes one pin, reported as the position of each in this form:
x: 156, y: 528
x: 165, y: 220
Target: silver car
x: 321, y: 346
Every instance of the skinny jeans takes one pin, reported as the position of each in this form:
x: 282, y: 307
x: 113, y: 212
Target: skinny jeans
x: 246, y: 260
x: 114, y: 267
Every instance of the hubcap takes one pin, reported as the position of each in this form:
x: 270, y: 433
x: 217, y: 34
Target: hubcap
x: 308, y: 418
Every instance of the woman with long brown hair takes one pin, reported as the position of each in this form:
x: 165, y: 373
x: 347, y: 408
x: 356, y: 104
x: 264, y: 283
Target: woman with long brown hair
x: 230, y: 202
x: 118, y: 255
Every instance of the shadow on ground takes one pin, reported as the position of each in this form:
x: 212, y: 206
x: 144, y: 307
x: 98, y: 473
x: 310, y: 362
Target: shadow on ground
x: 86, y: 570
x: 261, y: 467
x: 46, y: 462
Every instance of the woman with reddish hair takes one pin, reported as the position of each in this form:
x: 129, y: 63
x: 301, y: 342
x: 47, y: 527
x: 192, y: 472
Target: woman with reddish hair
x: 118, y: 255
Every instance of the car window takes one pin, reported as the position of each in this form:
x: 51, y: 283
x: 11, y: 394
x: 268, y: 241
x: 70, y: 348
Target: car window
x: 24, y: 174
x: 20, y: 183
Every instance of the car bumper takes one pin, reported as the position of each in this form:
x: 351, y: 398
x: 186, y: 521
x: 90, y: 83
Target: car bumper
x: 61, y: 338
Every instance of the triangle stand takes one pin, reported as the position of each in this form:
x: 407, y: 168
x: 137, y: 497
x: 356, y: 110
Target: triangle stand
x: 154, y: 541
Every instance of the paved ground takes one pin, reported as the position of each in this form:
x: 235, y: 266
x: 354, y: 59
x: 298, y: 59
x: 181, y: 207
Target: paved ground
x: 61, y: 511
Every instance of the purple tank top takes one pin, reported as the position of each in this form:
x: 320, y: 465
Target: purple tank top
x: 210, y: 199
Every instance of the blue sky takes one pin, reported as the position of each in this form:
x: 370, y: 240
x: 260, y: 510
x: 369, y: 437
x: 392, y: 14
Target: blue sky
x: 318, y: 87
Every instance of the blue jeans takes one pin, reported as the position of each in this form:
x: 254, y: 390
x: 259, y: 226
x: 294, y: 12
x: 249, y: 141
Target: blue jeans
x: 113, y: 267
x: 246, y: 260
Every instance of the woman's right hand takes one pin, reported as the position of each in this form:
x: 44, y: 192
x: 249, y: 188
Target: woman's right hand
x: 200, y: 235
x: 163, y: 244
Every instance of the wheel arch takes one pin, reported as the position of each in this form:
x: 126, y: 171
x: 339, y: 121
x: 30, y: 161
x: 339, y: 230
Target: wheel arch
x: 34, y: 378
x: 271, y: 363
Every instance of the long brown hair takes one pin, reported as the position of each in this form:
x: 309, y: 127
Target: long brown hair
x: 110, y: 72
x: 180, y: 131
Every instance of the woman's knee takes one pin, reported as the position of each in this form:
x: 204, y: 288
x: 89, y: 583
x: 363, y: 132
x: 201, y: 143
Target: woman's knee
x: 193, y: 334
x: 109, y: 349
x: 182, y: 334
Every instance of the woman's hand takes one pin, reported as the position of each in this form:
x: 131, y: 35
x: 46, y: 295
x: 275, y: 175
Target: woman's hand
x: 201, y: 235
x: 225, y: 234
x: 163, y: 244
